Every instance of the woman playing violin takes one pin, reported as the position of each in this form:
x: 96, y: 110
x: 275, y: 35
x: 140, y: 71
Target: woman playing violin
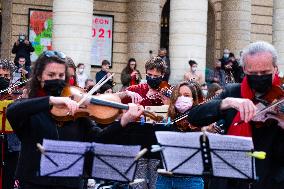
x: 32, y: 121
x: 237, y: 103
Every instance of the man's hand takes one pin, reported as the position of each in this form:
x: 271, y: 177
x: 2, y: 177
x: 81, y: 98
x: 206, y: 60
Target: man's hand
x: 26, y: 42
x: 132, y: 114
x: 22, y: 70
x: 245, y: 106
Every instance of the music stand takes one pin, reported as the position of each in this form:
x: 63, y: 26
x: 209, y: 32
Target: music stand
x: 89, y: 160
x: 207, y: 154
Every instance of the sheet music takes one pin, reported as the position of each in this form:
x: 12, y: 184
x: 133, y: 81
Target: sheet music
x: 125, y: 157
x: 63, y: 160
x: 174, y: 156
x: 238, y: 159
x: 120, y: 157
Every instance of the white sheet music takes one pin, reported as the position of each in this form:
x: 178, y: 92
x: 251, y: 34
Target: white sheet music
x: 63, y: 160
x: 174, y: 156
x: 238, y: 159
x: 120, y: 157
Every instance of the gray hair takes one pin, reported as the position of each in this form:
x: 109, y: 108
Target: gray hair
x: 259, y: 47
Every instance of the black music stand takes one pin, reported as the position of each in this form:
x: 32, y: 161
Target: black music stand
x: 208, y: 155
x: 89, y: 160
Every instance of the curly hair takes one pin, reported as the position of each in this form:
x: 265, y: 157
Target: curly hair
x: 7, y: 64
x: 196, y: 93
x: 156, y: 62
x: 39, y: 67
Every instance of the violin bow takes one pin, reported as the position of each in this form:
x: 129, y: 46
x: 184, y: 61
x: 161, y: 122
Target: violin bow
x: 95, y: 88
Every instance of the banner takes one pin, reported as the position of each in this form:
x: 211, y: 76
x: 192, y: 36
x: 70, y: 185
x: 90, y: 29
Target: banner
x: 40, y: 31
x: 102, y: 39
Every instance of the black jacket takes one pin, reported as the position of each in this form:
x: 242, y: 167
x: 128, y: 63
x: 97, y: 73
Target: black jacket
x: 269, y: 138
x: 23, y: 50
x: 32, y: 122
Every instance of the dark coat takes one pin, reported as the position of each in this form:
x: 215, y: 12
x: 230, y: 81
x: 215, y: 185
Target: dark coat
x: 269, y: 138
x: 32, y: 122
x: 23, y: 50
x: 126, y: 78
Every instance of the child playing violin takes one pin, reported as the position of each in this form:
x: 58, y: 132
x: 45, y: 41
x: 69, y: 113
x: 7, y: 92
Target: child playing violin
x: 32, y: 121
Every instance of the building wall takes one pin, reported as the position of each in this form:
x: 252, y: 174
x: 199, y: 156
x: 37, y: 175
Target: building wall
x: 117, y: 8
x: 262, y: 11
x: 20, y: 15
x: 261, y: 28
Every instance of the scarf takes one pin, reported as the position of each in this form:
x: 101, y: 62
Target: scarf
x: 244, y: 129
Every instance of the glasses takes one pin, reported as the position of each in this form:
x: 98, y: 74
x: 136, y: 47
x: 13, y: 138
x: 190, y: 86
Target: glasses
x: 58, y: 54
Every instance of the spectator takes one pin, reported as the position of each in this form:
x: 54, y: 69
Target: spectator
x: 20, y: 74
x: 89, y: 84
x: 236, y: 68
x: 106, y: 88
x: 213, y: 90
x: 104, y: 71
x: 130, y: 75
x: 81, y: 75
x: 71, y: 71
x: 225, y: 57
x: 23, y: 48
x: 162, y: 53
x: 193, y: 74
x: 217, y: 75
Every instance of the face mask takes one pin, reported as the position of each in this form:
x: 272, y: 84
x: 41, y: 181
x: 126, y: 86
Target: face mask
x: 81, y: 70
x: 205, y: 92
x: 183, y: 103
x: 54, y: 87
x: 4, y: 83
x: 226, y: 56
x: 154, y: 83
x: 194, y: 69
x: 260, y: 83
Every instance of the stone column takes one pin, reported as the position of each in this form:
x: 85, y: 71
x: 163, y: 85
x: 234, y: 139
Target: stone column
x: 143, y: 30
x: 236, y: 25
x: 278, y: 31
x: 72, y: 29
x: 188, y: 30
x: 6, y: 32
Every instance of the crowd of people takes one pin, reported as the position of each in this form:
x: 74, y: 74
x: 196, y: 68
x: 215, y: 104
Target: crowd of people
x: 228, y: 93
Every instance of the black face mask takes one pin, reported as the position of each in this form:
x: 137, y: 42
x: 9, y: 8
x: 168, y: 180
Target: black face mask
x: 154, y: 83
x: 54, y: 87
x: 4, y: 83
x: 260, y: 83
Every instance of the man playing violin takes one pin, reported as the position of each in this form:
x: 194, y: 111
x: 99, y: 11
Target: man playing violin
x: 236, y: 105
x: 148, y: 94
x: 32, y: 121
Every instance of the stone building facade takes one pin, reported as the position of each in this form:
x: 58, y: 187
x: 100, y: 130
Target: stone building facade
x: 196, y: 29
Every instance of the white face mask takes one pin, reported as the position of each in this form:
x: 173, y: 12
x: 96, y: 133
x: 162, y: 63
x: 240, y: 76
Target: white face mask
x: 183, y: 103
x: 226, y: 55
x: 204, y: 92
x: 81, y: 70
x: 194, y: 69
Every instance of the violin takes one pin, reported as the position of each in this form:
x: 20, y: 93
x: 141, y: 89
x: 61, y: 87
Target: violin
x: 104, y: 109
x: 271, y: 107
